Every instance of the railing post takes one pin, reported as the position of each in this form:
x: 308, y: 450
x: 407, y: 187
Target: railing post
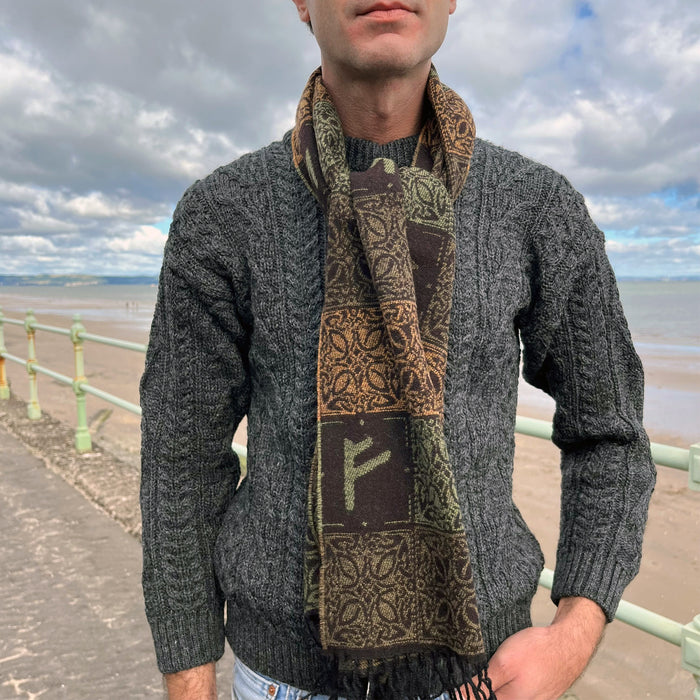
x: 33, y: 408
x: 694, y: 467
x: 83, y: 442
x: 690, y: 650
x: 4, y: 386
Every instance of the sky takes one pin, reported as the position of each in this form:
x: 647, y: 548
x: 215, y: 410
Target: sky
x: 109, y: 110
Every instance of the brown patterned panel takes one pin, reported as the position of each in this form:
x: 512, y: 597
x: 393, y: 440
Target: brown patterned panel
x: 445, y: 592
x: 330, y: 141
x: 366, y: 484
x: 374, y: 577
x: 359, y: 373
x: 425, y: 204
x: 399, y: 591
x: 457, y: 132
x: 348, y: 280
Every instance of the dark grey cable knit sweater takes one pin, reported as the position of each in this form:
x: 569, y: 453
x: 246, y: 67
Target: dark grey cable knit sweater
x: 236, y: 332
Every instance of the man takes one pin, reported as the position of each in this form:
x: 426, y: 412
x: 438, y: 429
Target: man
x: 360, y: 290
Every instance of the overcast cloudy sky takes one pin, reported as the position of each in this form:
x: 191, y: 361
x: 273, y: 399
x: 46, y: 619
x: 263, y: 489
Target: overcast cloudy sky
x: 109, y: 109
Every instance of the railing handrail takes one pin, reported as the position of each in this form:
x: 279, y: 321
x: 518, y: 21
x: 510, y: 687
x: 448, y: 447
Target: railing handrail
x: 105, y: 340
x: 663, y: 455
x: 14, y: 358
x: 645, y: 620
x: 687, y: 637
x: 80, y: 385
x: 50, y: 329
x: 114, y: 342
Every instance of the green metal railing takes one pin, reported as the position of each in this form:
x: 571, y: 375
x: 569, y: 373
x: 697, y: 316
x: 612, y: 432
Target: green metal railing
x: 687, y: 637
x: 79, y: 383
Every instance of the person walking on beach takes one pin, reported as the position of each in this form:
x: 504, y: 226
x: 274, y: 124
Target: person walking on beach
x: 361, y: 291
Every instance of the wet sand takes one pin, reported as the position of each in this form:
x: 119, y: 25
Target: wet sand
x: 629, y: 665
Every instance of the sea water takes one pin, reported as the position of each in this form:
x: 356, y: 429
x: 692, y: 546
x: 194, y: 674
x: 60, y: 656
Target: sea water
x: 663, y: 314
x: 663, y: 320
x: 129, y: 305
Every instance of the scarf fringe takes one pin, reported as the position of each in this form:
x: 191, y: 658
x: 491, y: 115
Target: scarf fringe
x: 418, y: 676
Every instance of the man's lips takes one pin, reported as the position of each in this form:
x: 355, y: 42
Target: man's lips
x: 386, y: 10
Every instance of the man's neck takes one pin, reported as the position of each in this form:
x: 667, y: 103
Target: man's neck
x: 381, y: 109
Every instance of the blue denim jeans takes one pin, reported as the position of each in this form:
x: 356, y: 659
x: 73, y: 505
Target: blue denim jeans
x: 249, y: 685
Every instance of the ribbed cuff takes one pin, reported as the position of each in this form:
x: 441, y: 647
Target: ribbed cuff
x: 190, y: 640
x: 589, y: 575
x: 497, y: 628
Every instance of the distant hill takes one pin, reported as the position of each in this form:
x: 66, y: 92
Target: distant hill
x: 91, y: 280
x: 73, y: 280
x: 680, y: 278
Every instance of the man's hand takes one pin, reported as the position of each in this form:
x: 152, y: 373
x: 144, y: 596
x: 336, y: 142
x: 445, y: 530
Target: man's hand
x: 541, y: 663
x: 197, y: 683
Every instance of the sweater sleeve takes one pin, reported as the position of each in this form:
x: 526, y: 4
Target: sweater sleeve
x: 194, y: 392
x: 577, y: 348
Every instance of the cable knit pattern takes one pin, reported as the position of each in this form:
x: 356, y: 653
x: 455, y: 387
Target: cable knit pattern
x: 236, y: 332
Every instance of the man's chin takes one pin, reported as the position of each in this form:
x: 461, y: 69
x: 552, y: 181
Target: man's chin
x: 387, y: 57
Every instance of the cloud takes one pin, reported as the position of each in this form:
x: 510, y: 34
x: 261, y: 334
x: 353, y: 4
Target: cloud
x: 97, y: 205
x: 649, y: 217
x: 656, y: 236
x: 27, y: 245
x: 607, y: 96
x: 494, y: 46
x: 120, y: 252
x: 145, y: 240
x: 38, y: 223
x: 111, y: 110
x: 674, y: 257
x: 84, y: 134
x: 217, y: 65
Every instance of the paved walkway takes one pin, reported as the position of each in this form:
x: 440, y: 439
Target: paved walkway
x: 72, y: 623
x: 71, y: 610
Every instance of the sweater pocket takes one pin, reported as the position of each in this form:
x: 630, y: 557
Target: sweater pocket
x: 227, y: 550
x: 527, y: 561
x: 259, y: 550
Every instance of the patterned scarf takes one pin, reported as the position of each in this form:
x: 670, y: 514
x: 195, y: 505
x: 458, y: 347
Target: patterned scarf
x: 388, y: 584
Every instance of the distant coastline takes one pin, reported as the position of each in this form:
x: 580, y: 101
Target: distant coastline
x: 689, y: 278
x: 75, y: 280
x: 152, y: 280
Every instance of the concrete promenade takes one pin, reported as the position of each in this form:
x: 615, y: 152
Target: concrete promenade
x: 71, y: 610
x: 72, y: 622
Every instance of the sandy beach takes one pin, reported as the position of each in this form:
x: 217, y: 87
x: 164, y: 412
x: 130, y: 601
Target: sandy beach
x: 629, y: 665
